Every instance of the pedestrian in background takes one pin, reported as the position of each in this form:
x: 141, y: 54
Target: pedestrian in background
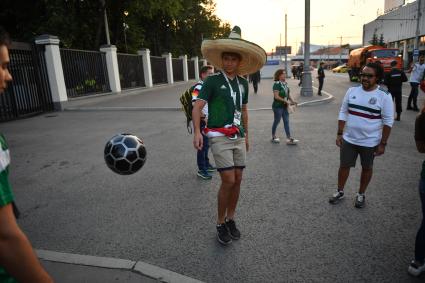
x: 300, y: 71
x: 255, y: 78
x: 417, y: 266
x: 202, y: 160
x: 364, y: 126
x: 281, y: 100
x: 417, y: 74
x: 394, y: 81
x: 320, y: 77
x: 18, y: 262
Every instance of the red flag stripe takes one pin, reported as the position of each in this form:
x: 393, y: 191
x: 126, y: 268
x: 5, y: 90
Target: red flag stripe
x: 364, y: 115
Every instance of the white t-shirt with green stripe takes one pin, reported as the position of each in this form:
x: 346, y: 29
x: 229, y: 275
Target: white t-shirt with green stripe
x: 365, y: 113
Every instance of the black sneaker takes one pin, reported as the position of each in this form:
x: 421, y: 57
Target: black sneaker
x: 223, y: 236
x: 231, y: 227
x: 360, y: 200
x: 336, y: 197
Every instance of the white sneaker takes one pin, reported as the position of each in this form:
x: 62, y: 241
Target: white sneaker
x: 275, y: 140
x: 415, y: 269
x: 292, y: 141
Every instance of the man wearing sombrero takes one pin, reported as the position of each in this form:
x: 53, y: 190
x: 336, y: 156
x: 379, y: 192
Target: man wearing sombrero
x: 226, y: 93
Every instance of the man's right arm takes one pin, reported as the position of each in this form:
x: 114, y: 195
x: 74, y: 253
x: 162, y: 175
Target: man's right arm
x: 196, y: 118
x: 342, y: 117
x: 16, y: 253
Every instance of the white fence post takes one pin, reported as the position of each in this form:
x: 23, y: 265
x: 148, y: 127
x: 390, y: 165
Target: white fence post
x: 169, y: 63
x: 195, y: 62
x: 147, y: 69
x: 185, y: 70
x: 112, y: 67
x: 54, y: 69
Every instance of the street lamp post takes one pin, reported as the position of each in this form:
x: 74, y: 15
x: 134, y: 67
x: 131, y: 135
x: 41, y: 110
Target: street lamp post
x: 125, y: 27
x: 307, y: 89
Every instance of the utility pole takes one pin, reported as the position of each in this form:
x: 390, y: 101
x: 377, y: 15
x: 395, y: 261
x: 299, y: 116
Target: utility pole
x: 280, y: 45
x: 416, y: 43
x: 286, y: 43
x: 307, y: 89
x: 105, y: 18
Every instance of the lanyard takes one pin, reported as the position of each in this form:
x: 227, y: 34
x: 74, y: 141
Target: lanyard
x: 285, y: 88
x: 232, y: 93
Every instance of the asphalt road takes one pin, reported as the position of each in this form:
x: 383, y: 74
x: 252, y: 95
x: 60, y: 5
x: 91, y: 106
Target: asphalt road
x: 163, y: 215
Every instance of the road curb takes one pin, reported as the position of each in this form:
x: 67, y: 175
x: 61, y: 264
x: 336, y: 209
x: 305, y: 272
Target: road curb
x: 146, y: 269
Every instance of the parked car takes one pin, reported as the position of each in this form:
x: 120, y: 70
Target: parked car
x: 340, y: 69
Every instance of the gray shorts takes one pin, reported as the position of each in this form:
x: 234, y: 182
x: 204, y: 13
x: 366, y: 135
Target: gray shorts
x: 228, y: 154
x: 349, y: 153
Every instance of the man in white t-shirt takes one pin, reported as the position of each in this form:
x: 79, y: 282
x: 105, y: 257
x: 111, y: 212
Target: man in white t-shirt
x: 416, y: 76
x: 364, y: 125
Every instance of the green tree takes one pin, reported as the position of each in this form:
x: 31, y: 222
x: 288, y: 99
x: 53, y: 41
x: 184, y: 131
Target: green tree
x: 381, y: 41
x: 374, y: 40
x: 175, y: 26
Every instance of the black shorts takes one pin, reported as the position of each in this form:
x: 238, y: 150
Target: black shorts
x: 349, y: 153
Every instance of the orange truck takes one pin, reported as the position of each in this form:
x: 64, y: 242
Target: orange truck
x: 361, y: 56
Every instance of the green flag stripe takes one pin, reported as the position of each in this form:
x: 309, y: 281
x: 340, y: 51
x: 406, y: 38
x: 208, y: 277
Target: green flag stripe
x: 364, y: 108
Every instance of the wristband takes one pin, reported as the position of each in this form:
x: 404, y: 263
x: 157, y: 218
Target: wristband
x: 339, y: 134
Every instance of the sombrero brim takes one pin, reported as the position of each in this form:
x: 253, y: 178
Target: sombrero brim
x: 253, y: 56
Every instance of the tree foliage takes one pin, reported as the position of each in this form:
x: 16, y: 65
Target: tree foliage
x: 176, y: 26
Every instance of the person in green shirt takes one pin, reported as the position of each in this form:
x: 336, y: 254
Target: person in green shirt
x: 18, y: 262
x: 226, y: 93
x: 281, y: 99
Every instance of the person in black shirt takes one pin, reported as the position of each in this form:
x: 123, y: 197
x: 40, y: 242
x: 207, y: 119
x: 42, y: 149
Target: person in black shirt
x: 417, y: 266
x: 394, y: 80
x: 320, y: 77
x: 255, y: 78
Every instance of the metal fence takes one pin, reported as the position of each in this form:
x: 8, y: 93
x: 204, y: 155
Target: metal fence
x: 29, y: 92
x: 85, y: 72
x: 177, y: 69
x: 131, y: 71
x: 159, y: 70
x: 200, y: 64
x: 191, y: 69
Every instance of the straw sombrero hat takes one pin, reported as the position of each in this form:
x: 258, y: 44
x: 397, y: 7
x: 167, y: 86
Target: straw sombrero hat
x: 253, y: 56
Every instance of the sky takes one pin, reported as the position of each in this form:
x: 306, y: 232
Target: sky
x: 263, y: 21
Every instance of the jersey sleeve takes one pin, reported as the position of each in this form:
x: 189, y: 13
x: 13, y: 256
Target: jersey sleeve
x: 195, y: 92
x: 276, y: 86
x: 206, y: 90
x: 420, y: 128
x: 388, y: 111
x: 343, y: 112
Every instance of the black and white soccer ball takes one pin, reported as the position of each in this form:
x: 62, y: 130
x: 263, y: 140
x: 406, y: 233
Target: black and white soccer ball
x: 125, y: 154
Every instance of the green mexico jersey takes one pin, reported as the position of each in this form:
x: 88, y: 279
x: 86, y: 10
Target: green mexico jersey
x: 6, y: 196
x: 283, y: 90
x: 217, y: 93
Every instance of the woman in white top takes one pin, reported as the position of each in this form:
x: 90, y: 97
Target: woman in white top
x: 416, y: 76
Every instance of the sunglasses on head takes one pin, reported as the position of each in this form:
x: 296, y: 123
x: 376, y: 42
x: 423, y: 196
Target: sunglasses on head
x: 367, y: 75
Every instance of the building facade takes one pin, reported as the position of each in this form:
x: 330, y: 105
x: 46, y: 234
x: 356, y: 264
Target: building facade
x: 399, y: 28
